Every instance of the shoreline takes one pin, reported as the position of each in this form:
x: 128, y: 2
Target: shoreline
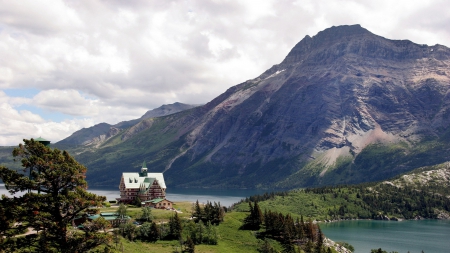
x: 389, y: 219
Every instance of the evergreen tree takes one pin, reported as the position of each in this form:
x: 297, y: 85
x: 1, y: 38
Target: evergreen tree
x: 175, y: 227
x: 137, y: 202
x: 154, y: 233
x: 148, y: 232
x: 218, y: 214
x: 257, y: 216
x: 189, y: 245
x: 55, y: 188
x: 265, y: 247
x: 255, y: 219
x: 319, y: 243
x: 197, y: 212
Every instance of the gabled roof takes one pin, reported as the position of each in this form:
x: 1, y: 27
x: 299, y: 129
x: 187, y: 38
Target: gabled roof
x: 159, y: 177
x: 146, y: 184
x: 133, y: 180
x: 154, y: 201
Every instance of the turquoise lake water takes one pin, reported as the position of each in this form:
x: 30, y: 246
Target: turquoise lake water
x: 431, y: 236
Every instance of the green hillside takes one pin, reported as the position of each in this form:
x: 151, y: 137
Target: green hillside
x: 423, y: 193
x: 157, y: 146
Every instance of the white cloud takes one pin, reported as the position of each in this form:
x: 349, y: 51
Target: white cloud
x: 108, y: 61
x: 38, y: 17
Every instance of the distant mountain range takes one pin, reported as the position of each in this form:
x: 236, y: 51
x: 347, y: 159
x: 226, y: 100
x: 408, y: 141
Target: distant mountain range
x: 98, y: 134
x: 344, y: 106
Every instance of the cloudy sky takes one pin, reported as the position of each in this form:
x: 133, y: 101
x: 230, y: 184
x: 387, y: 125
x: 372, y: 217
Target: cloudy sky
x: 65, y: 65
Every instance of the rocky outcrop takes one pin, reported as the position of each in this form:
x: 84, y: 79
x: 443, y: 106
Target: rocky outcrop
x: 381, y: 217
x: 442, y: 215
x: 139, y: 127
x: 337, y: 247
x: 97, y: 141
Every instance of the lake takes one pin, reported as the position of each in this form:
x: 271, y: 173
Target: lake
x: 431, y: 236
x: 225, y: 197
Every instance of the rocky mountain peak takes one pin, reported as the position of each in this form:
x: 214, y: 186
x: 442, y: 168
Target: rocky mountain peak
x: 353, y: 40
x: 325, y: 39
x: 334, y: 95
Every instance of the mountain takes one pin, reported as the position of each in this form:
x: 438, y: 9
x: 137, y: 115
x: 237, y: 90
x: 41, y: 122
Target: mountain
x: 167, y: 110
x: 344, y: 106
x: 98, y: 134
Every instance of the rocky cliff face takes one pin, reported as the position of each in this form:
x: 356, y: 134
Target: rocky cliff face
x: 332, y: 96
x: 342, y: 89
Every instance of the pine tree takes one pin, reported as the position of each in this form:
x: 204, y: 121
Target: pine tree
x: 197, y: 212
x: 255, y: 219
x: 257, y: 216
x: 55, y: 188
x: 175, y: 227
x: 154, y: 233
x: 189, y: 245
x: 319, y: 243
x: 137, y: 202
x: 265, y: 247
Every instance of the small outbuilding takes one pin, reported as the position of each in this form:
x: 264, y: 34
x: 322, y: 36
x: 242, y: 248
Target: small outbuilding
x: 159, y: 203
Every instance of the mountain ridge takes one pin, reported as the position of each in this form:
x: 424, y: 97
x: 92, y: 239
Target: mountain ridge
x: 100, y: 133
x: 321, y: 110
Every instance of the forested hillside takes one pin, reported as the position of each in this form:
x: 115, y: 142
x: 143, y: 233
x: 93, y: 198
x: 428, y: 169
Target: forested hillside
x: 424, y: 193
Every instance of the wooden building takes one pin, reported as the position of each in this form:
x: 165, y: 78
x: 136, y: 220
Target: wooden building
x: 159, y: 203
x: 146, y: 186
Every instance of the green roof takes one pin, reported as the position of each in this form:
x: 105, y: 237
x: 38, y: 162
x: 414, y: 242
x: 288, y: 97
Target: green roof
x: 94, y: 217
x: 154, y: 201
x: 41, y: 139
x: 108, y: 214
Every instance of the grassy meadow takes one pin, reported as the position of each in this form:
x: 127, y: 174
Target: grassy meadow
x: 231, y: 239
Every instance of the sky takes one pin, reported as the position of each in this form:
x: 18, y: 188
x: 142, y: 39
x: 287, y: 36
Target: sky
x: 68, y: 65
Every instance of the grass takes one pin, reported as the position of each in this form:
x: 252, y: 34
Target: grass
x: 231, y: 239
x: 314, y: 206
x: 160, y: 215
